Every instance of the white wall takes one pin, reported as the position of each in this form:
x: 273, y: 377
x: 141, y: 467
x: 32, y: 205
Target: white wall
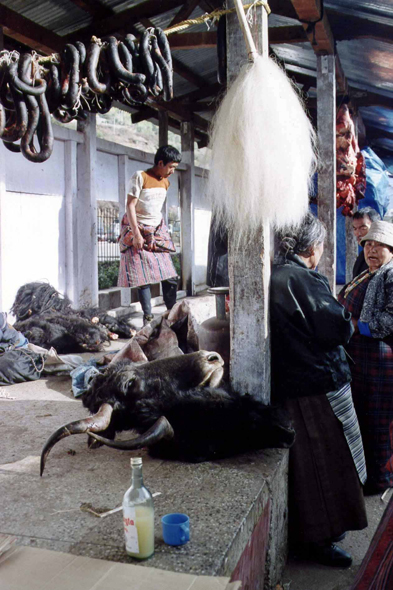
x: 38, y: 229
x: 32, y: 222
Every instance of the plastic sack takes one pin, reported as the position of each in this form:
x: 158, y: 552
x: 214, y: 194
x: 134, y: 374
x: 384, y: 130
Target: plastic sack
x: 378, y: 185
x: 18, y: 366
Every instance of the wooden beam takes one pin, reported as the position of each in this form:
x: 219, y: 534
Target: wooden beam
x: 326, y: 97
x: 287, y: 34
x: 193, y: 40
x: 187, y: 195
x: 188, y: 74
x: 29, y: 33
x: 125, y: 19
x: 249, y: 263
x: 185, y: 11
x: 320, y: 35
x: 143, y: 114
x: 205, y: 92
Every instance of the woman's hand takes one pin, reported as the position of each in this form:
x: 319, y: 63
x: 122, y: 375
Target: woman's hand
x: 138, y: 241
x: 355, y: 325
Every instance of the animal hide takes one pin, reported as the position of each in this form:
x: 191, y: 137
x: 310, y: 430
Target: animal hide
x: 263, y: 155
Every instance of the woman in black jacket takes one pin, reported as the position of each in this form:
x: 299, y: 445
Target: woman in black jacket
x: 310, y: 375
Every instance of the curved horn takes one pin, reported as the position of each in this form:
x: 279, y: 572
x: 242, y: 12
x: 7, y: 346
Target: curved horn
x: 96, y: 423
x: 160, y: 430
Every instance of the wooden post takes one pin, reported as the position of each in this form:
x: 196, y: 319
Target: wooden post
x: 86, y: 245
x: 187, y: 187
x: 163, y: 140
x: 71, y: 222
x: 125, y: 293
x: 2, y: 220
x: 162, y: 128
x: 351, y: 249
x: 326, y: 117
x: 249, y: 264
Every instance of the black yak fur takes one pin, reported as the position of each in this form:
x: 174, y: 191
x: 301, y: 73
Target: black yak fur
x: 47, y: 319
x: 209, y: 422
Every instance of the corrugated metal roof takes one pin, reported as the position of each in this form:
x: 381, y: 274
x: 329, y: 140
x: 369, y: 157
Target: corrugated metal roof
x: 367, y: 63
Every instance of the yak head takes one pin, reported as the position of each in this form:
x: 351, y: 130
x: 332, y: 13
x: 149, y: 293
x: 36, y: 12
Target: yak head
x: 118, y: 390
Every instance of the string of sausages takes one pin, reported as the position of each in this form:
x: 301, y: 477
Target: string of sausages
x: 80, y: 80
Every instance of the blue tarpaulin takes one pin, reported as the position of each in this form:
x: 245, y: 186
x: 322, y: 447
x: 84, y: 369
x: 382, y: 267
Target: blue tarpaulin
x: 379, y: 196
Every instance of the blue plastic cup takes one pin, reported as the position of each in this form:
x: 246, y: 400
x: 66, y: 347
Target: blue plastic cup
x: 175, y: 528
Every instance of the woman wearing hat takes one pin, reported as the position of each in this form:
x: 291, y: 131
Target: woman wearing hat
x: 369, y: 298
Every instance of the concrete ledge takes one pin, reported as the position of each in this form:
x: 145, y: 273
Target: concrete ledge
x: 109, y: 299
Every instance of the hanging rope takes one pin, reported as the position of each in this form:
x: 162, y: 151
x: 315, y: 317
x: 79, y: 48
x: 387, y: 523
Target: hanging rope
x: 205, y: 18
x: 215, y: 15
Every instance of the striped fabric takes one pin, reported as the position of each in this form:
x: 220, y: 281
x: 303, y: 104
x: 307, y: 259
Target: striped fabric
x: 144, y: 267
x: 344, y: 410
x: 372, y: 387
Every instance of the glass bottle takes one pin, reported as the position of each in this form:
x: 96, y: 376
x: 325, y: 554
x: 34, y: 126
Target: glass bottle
x: 138, y: 515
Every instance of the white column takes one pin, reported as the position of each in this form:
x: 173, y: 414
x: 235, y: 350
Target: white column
x: 125, y: 295
x: 326, y: 116
x: 86, y: 245
x: 2, y: 197
x: 71, y: 190
x: 187, y: 188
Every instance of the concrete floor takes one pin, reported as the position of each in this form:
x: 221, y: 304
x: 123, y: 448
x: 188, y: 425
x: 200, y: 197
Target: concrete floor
x: 41, y: 404
x: 304, y: 575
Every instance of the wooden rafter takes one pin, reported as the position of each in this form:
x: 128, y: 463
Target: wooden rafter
x: 29, y: 33
x: 185, y: 11
x: 320, y: 35
x: 277, y: 35
x: 193, y: 40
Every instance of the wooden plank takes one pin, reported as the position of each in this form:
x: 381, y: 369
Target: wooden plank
x: 187, y: 190
x: 29, y: 33
x: 192, y: 40
x: 326, y: 106
x: 249, y: 263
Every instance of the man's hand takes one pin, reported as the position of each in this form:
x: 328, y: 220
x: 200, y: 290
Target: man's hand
x: 138, y: 241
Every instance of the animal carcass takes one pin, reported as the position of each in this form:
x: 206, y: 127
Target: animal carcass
x: 178, y: 410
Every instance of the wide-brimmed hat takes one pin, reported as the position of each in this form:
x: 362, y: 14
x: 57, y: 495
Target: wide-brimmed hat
x: 380, y: 231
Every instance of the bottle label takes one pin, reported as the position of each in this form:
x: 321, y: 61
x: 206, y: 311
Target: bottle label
x: 130, y: 530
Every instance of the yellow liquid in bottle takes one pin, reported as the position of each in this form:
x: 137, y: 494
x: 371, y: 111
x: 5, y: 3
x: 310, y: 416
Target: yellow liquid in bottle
x: 144, y: 522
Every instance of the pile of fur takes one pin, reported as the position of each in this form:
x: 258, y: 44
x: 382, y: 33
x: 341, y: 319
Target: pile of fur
x: 47, y: 319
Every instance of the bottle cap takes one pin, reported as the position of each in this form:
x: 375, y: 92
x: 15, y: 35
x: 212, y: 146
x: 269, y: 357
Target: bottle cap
x: 136, y: 461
